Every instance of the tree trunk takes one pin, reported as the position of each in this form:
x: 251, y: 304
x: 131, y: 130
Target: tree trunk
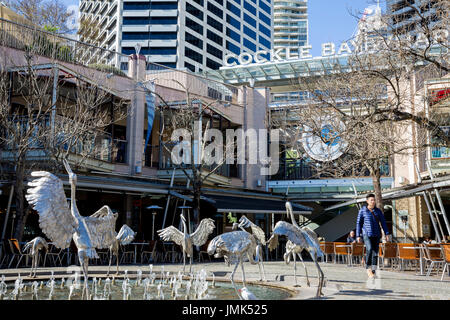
x: 20, y: 201
x: 376, y: 179
x: 197, y: 189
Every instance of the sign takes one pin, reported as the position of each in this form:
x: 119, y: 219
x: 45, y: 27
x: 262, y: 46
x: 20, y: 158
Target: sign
x: 367, y: 44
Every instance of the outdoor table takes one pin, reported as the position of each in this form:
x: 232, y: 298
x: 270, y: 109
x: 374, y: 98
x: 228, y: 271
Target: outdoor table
x: 348, y: 246
x: 421, y: 256
x: 135, y: 249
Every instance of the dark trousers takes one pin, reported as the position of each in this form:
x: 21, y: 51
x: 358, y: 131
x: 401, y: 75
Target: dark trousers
x: 372, y: 244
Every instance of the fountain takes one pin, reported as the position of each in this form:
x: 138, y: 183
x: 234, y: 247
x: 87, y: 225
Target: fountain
x: 132, y: 287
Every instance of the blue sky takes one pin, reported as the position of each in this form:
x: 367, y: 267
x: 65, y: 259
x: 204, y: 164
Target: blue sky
x: 329, y: 20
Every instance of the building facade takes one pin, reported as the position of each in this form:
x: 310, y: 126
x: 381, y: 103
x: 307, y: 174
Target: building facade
x: 192, y: 34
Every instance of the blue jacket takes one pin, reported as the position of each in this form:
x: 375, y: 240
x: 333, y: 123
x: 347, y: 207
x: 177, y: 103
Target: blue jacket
x: 367, y: 224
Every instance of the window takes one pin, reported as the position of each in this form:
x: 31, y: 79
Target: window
x: 213, y: 9
x: 235, y: 49
x: 233, y: 22
x: 194, y: 11
x: 193, y: 40
x: 233, y: 35
x: 233, y: 9
x: 264, y: 18
x: 194, y: 26
x: 249, y: 32
x: 189, y: 66
x: 169, y: 64
x: 264, y: 42
x: 250, y: 20
x: 249, y: 7
x: 214, y: 51
x: 213, y: 65
x: 250, y: 45
x: 152, y: 50
x: 200, y: 2
x: 214, y: 37
x: 191, y: 54
x: 265, y: 7
x: 149, y: 5
x: 215, y: 24
x: 219, y: 2
x: 149, y: 35
x: 264, y: 30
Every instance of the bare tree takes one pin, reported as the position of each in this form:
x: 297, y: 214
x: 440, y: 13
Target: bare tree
x: 46, y: 117
x: 51, y: 14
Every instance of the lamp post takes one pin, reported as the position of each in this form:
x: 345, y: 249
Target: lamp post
x: 154, y: 208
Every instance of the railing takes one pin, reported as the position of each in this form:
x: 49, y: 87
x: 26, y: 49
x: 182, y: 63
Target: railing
x: 441, y: 152
x: 100, y: 146
x: 299, y: 169
x: 51, y: 45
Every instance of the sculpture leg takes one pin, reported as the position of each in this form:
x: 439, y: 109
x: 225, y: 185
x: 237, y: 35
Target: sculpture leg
x: 84, y: 261
x: 232, y: 279
x: 184, y: 261
x: 32, y: 265
x: 306, y: 270
x: 116, y: 253
x: 321, y: 277
x: 190, y: 263
x: 110, y: 260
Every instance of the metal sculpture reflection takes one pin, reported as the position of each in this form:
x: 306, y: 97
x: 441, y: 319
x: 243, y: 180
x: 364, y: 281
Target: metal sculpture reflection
x: 124, y: 237
x: 260, y: 238
x: 61, y: 224
x: 34, y: 247
x: 300, y: 239
x: 185, y: 240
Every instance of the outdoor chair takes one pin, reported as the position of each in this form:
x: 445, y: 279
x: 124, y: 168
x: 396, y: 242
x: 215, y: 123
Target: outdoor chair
x: 408, y: 256
x: 432, y: 257
x: 127, y: 254
x: 203, y: 251
x: 327, y: 249
x: 445, y: 249
x: 103, y: 256
x: 356, y: 251
x: 17, y: 253
x: 6, y: 253
x: 54, y: 255
x: 151, y: 254
x: 341, y: 252
x: 171, y: 253
x: 388, y: 251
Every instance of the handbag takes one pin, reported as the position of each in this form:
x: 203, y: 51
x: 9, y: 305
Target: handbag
x: 379, y: 223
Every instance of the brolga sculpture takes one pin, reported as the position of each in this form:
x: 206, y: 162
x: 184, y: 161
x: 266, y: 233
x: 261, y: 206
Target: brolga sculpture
x: 34, y: 247
x: 299, y: 239
x: 186, y: 240
x: 233, y: 247
x: 124, y: 237
x: 61, y: 224
x: 260, y: 238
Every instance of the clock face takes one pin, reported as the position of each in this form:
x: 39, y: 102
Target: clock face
x: 325, y: 145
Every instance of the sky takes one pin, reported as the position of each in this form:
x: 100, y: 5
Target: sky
x: 329, y: 20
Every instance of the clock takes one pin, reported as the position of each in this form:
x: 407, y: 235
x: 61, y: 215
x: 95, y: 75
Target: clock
x: 323, y: 145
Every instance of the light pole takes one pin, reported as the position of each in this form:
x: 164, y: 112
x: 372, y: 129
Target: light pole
x: 154, y: 208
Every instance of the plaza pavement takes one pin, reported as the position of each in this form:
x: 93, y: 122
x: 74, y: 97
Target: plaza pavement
x: 342, y: 282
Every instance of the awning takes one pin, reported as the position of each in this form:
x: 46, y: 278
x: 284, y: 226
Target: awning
x: 235, y: 204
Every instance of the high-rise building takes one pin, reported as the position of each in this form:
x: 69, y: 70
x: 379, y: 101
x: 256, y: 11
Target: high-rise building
x: 290, y: 24
x: 192, y: 34
x: 405, y: 14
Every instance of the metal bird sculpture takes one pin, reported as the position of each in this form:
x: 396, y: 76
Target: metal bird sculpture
x: 187, y: 241
x: 233, y: 247
x: 260, y: 238
x: 33, y: 247
x: 124, y: 237
x: 300, y: 239
x: 61, y: 224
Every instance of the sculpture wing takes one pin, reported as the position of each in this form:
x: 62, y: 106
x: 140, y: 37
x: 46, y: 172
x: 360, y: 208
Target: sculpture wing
x: 47, y: 197
x: 171, y: 234
x: 101, y: 227
x: 283, y: 228
x: 125, y: 235
x: 256, y: 230
x: 202, y: 232
x: 313, y: 241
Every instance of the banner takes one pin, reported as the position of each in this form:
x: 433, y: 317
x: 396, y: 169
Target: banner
x: 150, y: 101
